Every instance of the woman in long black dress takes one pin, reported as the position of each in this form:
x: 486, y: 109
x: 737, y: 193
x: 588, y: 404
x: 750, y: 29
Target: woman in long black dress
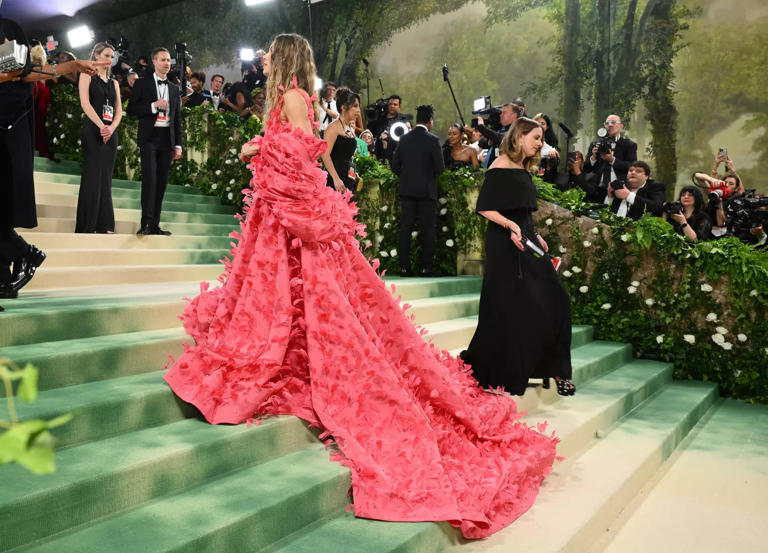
x: 524, y: 325
x: 100, y: 100
x: 338, y: 157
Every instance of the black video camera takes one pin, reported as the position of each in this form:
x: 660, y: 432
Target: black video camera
x: 745, y: 212
x: 491, y: 114
x: 377, y: 110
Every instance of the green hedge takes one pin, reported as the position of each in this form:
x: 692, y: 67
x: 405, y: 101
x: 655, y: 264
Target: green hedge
x: 702, y: 306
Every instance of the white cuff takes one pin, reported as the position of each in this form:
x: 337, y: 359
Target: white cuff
x: 608, y: 200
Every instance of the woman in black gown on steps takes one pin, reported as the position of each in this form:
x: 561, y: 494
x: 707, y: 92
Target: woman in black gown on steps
x: 524, y: 324
x: 100, y: 100
x: 338, y: 157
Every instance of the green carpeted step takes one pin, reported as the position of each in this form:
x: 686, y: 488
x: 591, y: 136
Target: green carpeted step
x: 91, y: 258
x: 63, y: 167
x: 585, y: 494
x: 44, y: 184
x: 596, y: 358
x: 107, y: 407
x: 243, y: 511
x: 129, y: 241
x: 444, y: 307
x: 581, y: 334
x: 416, y: 288
x: 74, y: 178
x: 129, y: 226
x: 36, y: 320
x: 53, y: 211
x: 69, y: 197
x: 343, y: 532
x: 72, y: 362
x: 97, y: 479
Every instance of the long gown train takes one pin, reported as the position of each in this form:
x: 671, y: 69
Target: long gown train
x: 303, y: 325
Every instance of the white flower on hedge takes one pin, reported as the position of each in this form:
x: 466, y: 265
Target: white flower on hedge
x: 229, y: 188
x: 595, y: 230
x: 384, y: 208
x: 587, y: 243
x: 741, y: 337
x: 635, y: 283
x: 567, y: 274
x: 719, y: 339
x: 606, y: 276
x: 624, y: 237
x: 660, y: 339
x: 214, y: 186
x: 444, y: 229
x: 737, y: 373
x: 231, y: 181
x: 218, y: 172
x: 690, y: 338
x: 379, y: 239
x: 706, y: 288
x: 393, y: 252
x: 79, y: 142
x: 442, y: 201
x: 562, y: 249
x: 228, y: 162
x: 584, y: 289
x: 55, y: 140
x: 230, y: 196
x: 650, y: 301
x: 444, y: 211
x: 727, y: 346
x: 753, y: 292
x: 387, y: 225
x: 232, y: 151
x: 449, y: 243
x: 383, y: 253
x: 606, y: 306
x: 69, y: 116
x: 576, y: 270
x: 548, y: 222
x: 721, y: 330
x: 120, y: 147
x: 62, y: 136
x: 414, y: 234
x: 631, y: 289
x: 711, y: 317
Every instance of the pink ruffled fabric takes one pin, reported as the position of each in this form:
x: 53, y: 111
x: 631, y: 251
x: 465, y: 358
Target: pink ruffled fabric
x: 303, y: 325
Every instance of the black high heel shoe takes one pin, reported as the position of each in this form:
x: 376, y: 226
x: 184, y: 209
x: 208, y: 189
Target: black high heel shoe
x: 565, y: 387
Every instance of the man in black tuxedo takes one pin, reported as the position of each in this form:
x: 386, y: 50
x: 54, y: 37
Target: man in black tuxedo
x: 640, y: 195
x: 614, y: 164
x: 156, y: 102
x: 417, y: 161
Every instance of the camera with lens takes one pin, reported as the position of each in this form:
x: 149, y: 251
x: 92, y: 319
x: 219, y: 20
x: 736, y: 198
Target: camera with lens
x: 122, y: 48
x: 618, y: 184
x: 491, y: 114
x: 377, y: 110
x: 604, y: 142
x: 671, y: 208
x: 746, y: 212
x: 183, y: 57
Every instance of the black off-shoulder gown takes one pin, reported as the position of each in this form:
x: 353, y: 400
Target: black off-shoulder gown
x: 524, y: 324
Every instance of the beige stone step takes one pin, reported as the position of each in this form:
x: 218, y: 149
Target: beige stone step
x: 91, y: 258
x: 67, y: 225
x: 123, y: 241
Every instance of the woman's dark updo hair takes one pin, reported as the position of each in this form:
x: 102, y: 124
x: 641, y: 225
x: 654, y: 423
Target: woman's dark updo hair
x: 345, y: 98
x: 698, y: 199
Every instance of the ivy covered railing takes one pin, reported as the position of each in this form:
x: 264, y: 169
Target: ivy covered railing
x: 701, y: 306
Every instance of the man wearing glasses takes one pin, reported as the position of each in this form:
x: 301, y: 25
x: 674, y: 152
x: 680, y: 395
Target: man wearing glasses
x: 614, y: 164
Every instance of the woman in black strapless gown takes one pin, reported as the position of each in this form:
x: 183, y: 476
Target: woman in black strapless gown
x: 338, y: 157
x: 524, y: 324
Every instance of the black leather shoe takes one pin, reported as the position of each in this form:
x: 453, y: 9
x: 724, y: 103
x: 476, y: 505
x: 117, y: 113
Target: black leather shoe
x: 24, y: 268
x: 160, y: 232
x: 7, y: 292
x: 405, y: 273
x: 144, y: 231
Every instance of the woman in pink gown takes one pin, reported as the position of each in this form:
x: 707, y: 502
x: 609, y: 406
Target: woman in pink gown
x: 303, y: 325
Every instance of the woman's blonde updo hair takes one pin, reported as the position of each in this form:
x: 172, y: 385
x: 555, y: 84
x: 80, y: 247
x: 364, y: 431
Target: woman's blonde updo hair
x: 291, y: 55
x: 512, y: 145
x: 98, y: 48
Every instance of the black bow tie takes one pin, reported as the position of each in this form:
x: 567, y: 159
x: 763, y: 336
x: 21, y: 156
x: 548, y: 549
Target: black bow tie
x: 215, y: 94
x: 162, y: 82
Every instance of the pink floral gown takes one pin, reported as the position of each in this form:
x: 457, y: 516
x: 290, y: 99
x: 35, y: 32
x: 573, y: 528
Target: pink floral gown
x: 303, y: 325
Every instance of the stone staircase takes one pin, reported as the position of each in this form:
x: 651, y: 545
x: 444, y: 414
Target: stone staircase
x: 138, y: 471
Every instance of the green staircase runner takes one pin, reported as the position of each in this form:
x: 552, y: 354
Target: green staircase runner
x: 137, y: 470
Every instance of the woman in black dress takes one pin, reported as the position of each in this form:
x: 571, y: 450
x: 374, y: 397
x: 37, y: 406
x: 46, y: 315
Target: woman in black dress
x: 524, y: 324
x: 338, y: 157
x: 100, y: 100
x: 693, y: 222
x: 457, y: 154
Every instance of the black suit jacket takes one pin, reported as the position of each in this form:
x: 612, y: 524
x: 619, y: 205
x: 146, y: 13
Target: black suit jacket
x: 625, y: 153
x: 650, y: 197
x: 140, y: 105
x: 417, y: 161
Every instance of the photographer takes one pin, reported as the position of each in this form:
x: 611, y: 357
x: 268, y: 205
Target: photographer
x: 392, y: 115
x: 721, y: 192
x: 687, y: 215
x: 630, y: 198
x: 199, y: 96
x: 610, y: 157
x: 327, y: 112
x: 577, y: 178
x: 509, y: 112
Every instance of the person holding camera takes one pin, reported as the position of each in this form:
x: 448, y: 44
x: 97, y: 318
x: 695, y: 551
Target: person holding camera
x: 721, y: 192
x: 631, y: 197
x: 418, y: 162
x: 509, y: 113
x: 610, y: 157
x: 687, y: 215
x: 156, y: 102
